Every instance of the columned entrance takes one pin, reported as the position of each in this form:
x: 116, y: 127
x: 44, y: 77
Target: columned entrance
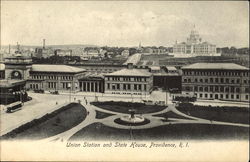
x: 91, y: 86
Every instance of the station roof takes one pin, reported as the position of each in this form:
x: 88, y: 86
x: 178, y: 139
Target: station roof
x: 215, y: 66
x: 155, y: 68
x: 93, y: 75
x: 56, y: 68
x: 171, y: 68
x: 130, y: 72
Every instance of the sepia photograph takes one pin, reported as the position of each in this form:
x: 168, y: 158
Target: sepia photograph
x: 124, y: 81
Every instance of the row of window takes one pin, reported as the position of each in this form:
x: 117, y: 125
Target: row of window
x: 102, y: 70
x: 51, y: 84
x: 51, y: 77
x: 34, y: 86
x: 215, y: 80
x: 215, y: 89
x: 222, y: 73
x: 220, y: 96
x: 127, y: 93
x: 136, y: 79
x: 138, y: 87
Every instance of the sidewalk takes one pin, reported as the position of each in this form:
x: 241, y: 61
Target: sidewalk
x: 221, y: 103
x: 40, y: 105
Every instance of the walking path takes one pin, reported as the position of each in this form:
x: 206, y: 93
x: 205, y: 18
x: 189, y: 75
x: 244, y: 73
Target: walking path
x: 154, y: 121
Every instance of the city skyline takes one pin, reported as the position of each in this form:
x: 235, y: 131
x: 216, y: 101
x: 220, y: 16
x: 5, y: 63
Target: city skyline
x: 123, y: 23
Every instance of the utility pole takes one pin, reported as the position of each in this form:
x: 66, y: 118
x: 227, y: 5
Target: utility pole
x: 166, y: 95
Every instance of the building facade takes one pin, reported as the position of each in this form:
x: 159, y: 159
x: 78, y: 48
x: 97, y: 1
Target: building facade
x: 91, y: 82
x: 2, y: 71
x: 125, y: 53
x: 17, y: 67
x: 54, y: 78
x: 223, y: 81
x: 166, y: 78
x: 12, y: 91
x: 63, y: 52
x: 129, y: 81
x: 194, y: 47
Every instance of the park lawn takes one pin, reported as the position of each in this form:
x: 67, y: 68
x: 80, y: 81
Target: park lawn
x: 51, y: 124
x: 123, y: 107
x: 225, y: 114
x: 171, y: 114
x: 98, y: 131
x: 101, y: 115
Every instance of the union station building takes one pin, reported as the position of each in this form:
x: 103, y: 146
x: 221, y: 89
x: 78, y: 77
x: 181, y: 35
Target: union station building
x: 68, y: 78
x: 129, y: 81
x: 45, y: 77
x: 223, y: 81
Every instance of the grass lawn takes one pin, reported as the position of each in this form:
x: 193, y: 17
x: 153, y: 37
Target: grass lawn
x: 123, y: 107
x: 225, y: 114
x: 51, y: 124
x: 101, y: 115
x: 98, y: 131
x: 171, y: 114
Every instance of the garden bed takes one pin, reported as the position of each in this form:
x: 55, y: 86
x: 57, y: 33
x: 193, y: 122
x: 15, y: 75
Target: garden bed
x: 98, y: 131
x: 101, y: 115
x: 225, y: 114
x: 123, y: 107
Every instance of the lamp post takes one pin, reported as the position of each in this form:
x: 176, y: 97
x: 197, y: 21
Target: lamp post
x: 166, y: 95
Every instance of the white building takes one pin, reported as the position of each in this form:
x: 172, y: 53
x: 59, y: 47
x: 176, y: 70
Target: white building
x: 194, y: 47
x: 125, y: 53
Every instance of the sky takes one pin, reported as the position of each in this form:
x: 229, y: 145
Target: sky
x: 124, y: 23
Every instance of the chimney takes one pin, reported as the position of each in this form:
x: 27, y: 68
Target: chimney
x: 130, y: 65
x: 18, y: 47
x: 43, y: 43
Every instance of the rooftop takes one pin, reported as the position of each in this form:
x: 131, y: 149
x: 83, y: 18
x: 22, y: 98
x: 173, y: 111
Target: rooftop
x: 56, y: 68
x: 171, y: 68
x: 130, y: 72
x: 155, y: 68
x: 93, y: 75
x: 221, y: 66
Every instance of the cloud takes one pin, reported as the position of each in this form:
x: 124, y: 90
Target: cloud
x: 123, y: 24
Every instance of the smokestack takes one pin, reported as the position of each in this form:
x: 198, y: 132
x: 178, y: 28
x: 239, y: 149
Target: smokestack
x: 9, y: 48
x: 43, y: 43
x: 18, y: 47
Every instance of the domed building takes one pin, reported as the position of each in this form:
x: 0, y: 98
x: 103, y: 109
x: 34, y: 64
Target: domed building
x: 194, y: 47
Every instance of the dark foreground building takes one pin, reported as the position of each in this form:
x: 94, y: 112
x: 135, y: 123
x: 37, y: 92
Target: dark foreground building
x: 12, y: 91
